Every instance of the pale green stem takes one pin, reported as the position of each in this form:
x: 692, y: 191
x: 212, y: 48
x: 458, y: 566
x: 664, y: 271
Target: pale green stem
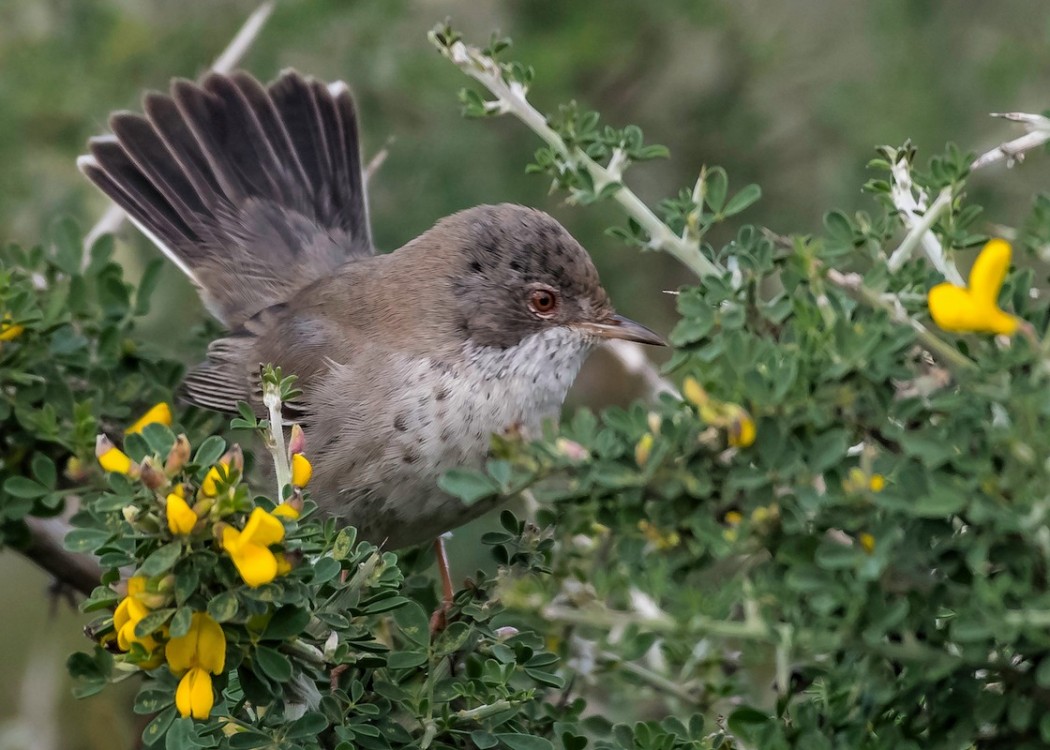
x: 918, y: 231
x: 654, y: 679
x: 275, y: 440
x: 485, y: 711
x: 853, y: 284
x: 510, y: 97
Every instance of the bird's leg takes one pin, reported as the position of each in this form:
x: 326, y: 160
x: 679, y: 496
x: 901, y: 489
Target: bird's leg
x: 439, y: 619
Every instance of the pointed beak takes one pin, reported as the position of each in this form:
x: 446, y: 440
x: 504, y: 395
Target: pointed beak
x: 619, y: 327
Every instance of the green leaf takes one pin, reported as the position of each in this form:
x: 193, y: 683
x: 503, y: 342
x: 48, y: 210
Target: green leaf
x: 406, y: 659
x: 44, y: 470
x: 288, y: 621
x: 273, y: 664
x: 161, y: 560
x: 223, y: 606
x: 308, y: 725
x: 483, y: 740
x: 157, y: 728
x: 468, y: 486
x: 344, y: 543
x: 24, y: 487
x: 180, y: 623
x: 716, y: 185
x: 745, y: 720
x: 152, y: 622
x: 517, y: 741
x: 86, y: 540
x: 742, y: 200
x: 210, y: 451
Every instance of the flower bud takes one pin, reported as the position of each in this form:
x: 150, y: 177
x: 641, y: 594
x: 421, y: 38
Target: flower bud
x: 654, y: 421
x: 178, y: 456
x: 75, y: 470
x: 130, y: 513
x: 151, y: 477
x: 642, y: 449
x: 297, y: 441
x: 506, y: 632
x: 571, y: 449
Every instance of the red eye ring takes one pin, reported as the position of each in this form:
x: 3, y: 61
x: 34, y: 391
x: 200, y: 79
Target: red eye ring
x: 543, y: 302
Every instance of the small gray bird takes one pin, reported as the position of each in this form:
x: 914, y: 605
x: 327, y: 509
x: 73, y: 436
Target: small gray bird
x: 408, y: 361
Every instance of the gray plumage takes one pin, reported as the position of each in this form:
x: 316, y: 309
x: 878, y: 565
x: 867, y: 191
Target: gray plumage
x: 408, y: 362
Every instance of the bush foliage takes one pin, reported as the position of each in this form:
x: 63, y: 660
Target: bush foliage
x: 869, y: 572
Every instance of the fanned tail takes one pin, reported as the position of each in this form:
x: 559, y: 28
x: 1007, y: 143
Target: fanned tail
x: 252, y: 191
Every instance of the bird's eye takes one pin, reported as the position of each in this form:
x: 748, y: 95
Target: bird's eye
x: 543, y: 302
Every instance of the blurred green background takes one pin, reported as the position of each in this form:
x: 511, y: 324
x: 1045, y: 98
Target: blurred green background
x: 790, y: 95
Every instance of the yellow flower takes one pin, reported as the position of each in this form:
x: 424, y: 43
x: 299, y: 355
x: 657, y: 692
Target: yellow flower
x: 693, y: 392
x: 742, y: 431
x: 210, y: 484
x: 301, y: 470
x: 734, y: 517
x: 284, y: 565
x: 131, y: 610
x: 249, y: 549
x: 867, y: 542
x: 181, y: 518
x: 877, y: 483
x: 643, y: 448
x: 159, y: 414
x: 112, y: 458
x: 8, y: 330
x: 200, y: 652
x: 194, y: 696
x: 975, y: 308
x: 286, y: 510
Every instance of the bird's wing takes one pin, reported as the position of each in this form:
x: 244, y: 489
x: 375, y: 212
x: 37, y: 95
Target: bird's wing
x: 253, y: 192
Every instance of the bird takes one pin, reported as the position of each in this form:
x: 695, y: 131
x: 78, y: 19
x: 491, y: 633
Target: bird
x: 408, y: 362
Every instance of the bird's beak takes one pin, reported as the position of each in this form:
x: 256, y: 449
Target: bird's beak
x: 619, y: 327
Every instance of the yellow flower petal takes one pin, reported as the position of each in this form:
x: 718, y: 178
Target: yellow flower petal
x: 742, y: 431
x: 256, y: 564
x: 194, y: 696
x: 263, y: 528
x: 693, y: 392
x: 867, y: 542
x: 203, y: 646
x: 10, y: 331
x: 283, y: 566
x: 284, y: 510
x: 877, y: 483
x: 210, y: 484
x: 642, y: 449
x: 158, y: 414
x: 181, y: 518
x: 976, y: 308
x: 301, y: 470
x: 115, y: 460
x: 989, y: 270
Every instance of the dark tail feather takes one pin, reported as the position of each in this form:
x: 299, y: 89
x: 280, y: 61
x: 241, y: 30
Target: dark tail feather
x: 231, y: 179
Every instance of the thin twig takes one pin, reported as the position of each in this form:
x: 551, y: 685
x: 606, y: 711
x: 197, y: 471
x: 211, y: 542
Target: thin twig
x: 80, y: 572
x: 920, y: 230
x: 912, y: 210
x: 853, y: 284
x: 275, y: 436
x: 227, y: 60
x: 511, y: 98
x: 1013, y: 152
x: 633, y: 359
